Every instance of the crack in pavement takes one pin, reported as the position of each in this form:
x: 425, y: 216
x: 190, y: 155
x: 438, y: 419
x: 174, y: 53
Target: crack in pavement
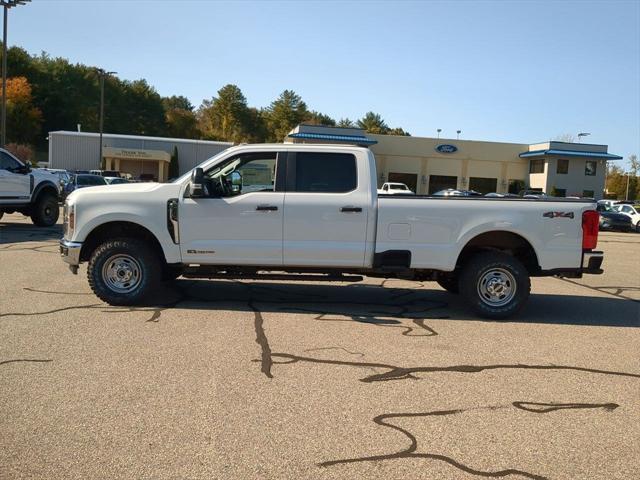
x: 402, y: 373
x: 29, y: 360
x: 411, y: 450
x: 617, y: 293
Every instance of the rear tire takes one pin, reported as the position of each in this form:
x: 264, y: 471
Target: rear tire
x: 450, y: 282
x: 45, y: 212
x: 495, y: 285
x: 124, y: 271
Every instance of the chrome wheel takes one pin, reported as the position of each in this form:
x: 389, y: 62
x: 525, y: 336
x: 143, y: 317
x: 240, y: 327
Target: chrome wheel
x: 122, y: 273
x: 497, y: 287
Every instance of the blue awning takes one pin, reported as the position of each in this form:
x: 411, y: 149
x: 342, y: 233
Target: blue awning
x: 359, y: 139
x: 570, y: 153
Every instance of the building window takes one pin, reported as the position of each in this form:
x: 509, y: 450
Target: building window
x: 588, y: 193
x: 483, y: 185
x: 590, y: 168
x: 563, y: 166
x: 441, y: 182
x: 536, y: 166
x: 559, y: 192
x: 409, y: 179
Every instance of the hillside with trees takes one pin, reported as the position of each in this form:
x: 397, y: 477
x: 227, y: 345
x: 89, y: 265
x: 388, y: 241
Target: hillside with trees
x: 45, y: 94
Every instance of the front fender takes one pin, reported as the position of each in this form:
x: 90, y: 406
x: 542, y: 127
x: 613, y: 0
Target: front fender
x: 157, y: 226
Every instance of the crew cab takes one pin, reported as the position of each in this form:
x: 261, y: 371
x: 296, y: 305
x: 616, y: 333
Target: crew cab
x: 313, y: 211
x: 33, y: 193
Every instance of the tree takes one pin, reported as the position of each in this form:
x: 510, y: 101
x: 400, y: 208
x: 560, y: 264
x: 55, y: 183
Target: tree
x: 284, y: 113
x: 398, y: 131
x: 565, y: 137
x: 174, y: 165
x: 226, y: 116
x: 346, y: 123
x: 317, y: 118
x: 23, y: 118
x: 373, y: 123
x: 180, y: 117
x: 618, y: 179
x: 23, y: 152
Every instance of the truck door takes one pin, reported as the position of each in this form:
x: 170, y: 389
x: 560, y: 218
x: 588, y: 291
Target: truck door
x: 242, y: 226
x: 15, y: 185
x: 325, y: 210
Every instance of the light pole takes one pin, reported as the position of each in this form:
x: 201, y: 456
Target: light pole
x: 101, y: 74
x: 7, y: 4
x: 458, y: 132
x: 439, y: 130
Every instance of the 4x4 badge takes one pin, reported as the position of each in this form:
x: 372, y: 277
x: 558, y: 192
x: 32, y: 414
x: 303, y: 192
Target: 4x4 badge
x: 558, y: 214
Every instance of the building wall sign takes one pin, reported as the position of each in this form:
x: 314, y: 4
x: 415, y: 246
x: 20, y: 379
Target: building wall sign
x: 446, y: 148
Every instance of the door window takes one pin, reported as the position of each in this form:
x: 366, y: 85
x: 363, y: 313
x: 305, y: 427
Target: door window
x: 323, y: 172
x: 245, y: 173
x: 7, y: 162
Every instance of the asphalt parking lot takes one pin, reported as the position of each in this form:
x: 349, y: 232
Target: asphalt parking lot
x: 379, y: 379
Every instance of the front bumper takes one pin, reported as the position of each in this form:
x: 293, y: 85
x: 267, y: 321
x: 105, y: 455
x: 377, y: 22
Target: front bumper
x: 70, y: 253
x: 591, y: 262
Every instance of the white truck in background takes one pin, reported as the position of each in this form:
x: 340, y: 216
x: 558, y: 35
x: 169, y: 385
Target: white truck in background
x: 314, y: 210
x: 33, y: 193
x: 394, y: 188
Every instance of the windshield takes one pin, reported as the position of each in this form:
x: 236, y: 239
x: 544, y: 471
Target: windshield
x: 186, y: 175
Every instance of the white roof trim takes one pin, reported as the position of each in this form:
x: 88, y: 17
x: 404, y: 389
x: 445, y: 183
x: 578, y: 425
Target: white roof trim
x: 137, y: 137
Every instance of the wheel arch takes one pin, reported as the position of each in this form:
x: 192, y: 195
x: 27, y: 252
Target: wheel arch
x: 504, y: 241
x: 114, y: 229
x: 44, y: 187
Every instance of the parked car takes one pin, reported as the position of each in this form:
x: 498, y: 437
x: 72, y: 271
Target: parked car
x: 393, y: 188
x: 631, y: 211
x: 83, y: 180
x: 501, y: 195
x: 321, y: 214
x: 453, y: 192
x: 105, y: 173
x: 531, y: 193
x: 64, y: 177
x: 33, y: 193
x: 115, y: 180
x: 612, y: 220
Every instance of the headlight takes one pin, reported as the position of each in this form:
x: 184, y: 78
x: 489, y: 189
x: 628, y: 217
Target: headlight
x: 69, y: 220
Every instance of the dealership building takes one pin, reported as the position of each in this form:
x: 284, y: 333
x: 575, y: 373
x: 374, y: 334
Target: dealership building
x: 426, y: 165
x: 146, y: 157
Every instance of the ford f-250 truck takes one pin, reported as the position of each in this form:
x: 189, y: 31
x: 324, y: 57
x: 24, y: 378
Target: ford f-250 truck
x: 314, y: 209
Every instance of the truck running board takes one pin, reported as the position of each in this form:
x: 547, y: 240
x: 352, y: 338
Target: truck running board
x: 295, y: 277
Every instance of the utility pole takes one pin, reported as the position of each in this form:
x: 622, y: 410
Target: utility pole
x: 626, y: 195
x: 101, y: 74
x: 7, y: 4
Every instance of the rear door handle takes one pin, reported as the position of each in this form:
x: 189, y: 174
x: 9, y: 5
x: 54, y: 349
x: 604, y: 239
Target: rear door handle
x: 266, y: 208
x: 351, y: 209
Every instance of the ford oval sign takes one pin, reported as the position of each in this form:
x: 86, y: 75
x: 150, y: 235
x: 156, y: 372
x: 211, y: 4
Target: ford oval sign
x: 445, y: 148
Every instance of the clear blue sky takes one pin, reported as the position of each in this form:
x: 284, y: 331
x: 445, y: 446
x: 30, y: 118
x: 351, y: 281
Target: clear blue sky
x: 501, y: 71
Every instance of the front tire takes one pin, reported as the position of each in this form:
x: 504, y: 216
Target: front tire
x: 495, y: 285
x: 124, y: 271
x: 46, y: 211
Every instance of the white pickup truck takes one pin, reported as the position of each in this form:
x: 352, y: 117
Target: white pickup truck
x: 313, y: 210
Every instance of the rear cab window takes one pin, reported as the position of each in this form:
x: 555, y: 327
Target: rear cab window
x: 322, y: 172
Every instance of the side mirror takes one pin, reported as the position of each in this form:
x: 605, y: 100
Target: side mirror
x: 236, y: 181
x: 196, y: 187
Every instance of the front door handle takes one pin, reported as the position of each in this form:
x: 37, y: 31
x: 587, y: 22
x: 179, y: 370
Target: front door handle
x: 266, y: 208
x: 351, y: 209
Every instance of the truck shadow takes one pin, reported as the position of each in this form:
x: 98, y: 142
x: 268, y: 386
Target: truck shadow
x: 402, y: 308
x: 26, y: 232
